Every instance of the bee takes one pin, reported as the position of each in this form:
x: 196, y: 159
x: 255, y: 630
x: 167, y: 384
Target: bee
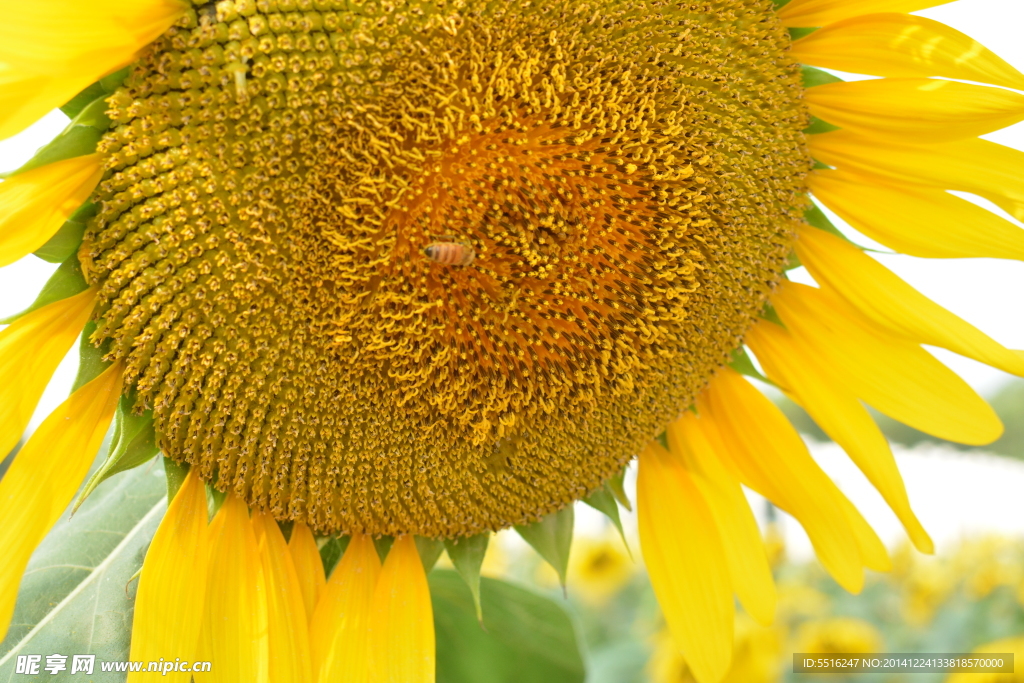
x: 450, y: 253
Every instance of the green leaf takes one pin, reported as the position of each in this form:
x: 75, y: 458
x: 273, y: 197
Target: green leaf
x: 467, y: 554
x: 331, y: 550
x: 134, y: 444
x: 66, y: 281
x: 526, y: 638
x: 429, y: 551
x: 603, y: 500
x: 75, y: 596
x: 551, y: 537
x: 65, y: 242
x: 616, y: 484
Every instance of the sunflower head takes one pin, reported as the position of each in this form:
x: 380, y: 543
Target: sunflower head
x: 617, y: 185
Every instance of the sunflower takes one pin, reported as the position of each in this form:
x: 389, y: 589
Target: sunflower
x: 406, y: 273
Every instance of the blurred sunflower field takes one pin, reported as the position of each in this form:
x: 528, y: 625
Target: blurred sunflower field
x: 969, y: 598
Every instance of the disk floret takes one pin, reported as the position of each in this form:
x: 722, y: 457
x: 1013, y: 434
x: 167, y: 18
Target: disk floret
x: 626, y: 176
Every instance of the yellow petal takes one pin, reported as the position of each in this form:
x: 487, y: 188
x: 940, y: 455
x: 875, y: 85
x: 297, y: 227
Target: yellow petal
x: 686, y: 563
x: 286, y: 612
x: 235, y: 624
x: 308, y: 566
x: 917, y: 220
x: 691, y: 440
x: 339, y: 631
x: 762, y: 444
x: 34, y: 204
x: 100, y: 36
x: 402, y: 622
x: 51, y: 51
x: 807, y: 13
x: 169, y: 603
x: 915, y: 109
x: 798, y: 368
x: 878, y: 293
x: 901, y: 45
x: 45, y: 474
x: 31, y: 348
x: 894, y: 375
x: 978, y: 166
x: 26, y: 96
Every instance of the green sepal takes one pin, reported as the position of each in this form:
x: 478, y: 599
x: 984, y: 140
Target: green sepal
x: 101, y: 88
x: 214, y: 499
x: 467, y: 554
x: 551, y: 537
x: 331, y: 550
x: 175, y: 474
x: 66, y: 241
x: 662, y: 438
x: 819, y: 126
x: 779, y: 4
x: 75, y: 141
x: 603, y: 500
x: 383, y: 546
x: 134, y: 444
x: 429, y: 550
x: 113, y: 81
x: 616, y: 483
x: 817, y: 218
x: 741, y: 363
x: 798, y: 33
x: 792, y: 261
x: 66, y: 281
x: 80, y: 137
x: 770, y: 314
x: 90, y: 358
x: 813, y: 77
x: 83, y: 99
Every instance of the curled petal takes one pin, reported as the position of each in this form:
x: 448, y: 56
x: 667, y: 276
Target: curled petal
x: 31, y: 348
x: 286, y: 611
x: 339, y: 632
x: 45, y: 474
x: 402, y: 623
x: 686, y: 562
x: 34, y: 204
x: 904, y: 45
x: 169, y: 604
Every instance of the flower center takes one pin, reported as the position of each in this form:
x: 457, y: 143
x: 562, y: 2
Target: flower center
x: 440, y: 268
